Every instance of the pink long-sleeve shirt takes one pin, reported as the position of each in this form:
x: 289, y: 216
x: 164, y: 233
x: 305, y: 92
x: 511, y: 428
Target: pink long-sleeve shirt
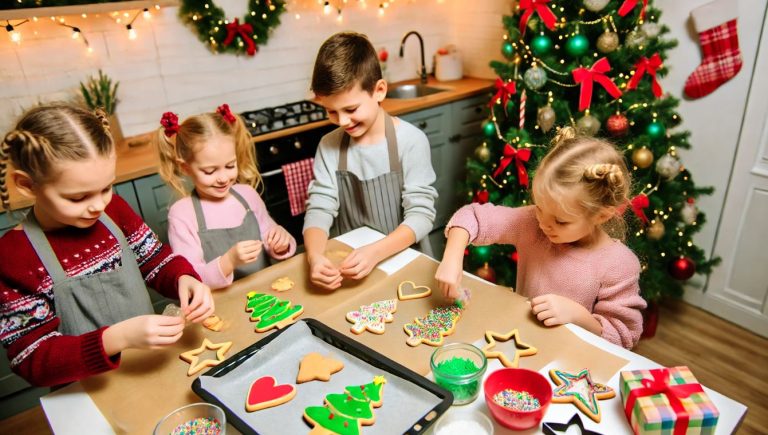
x: 229, y: 213
x: 604, y: 280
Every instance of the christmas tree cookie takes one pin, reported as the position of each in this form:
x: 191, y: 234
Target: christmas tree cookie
x: 270, y: 312
x: 372, y: 391
x: 345, y: 413
x: 372, y: 317
x: 439, y: 323
x: 324, y: 421
x: 348, y: 406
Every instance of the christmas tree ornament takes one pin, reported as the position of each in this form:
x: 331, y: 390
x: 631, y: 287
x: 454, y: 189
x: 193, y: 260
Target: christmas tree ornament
x: 514, y: 257
x: 577, y: 45
x: 519, y: 157
x: 639, y: 203
x: 487, y: 273
x: 504, y: 90
x: 588, y: 125
x: 650, y: 30
x: 642, y: 157
x: 586, y: 78
x: 535, y: 78
x: 649, y: 66
x: 483, y: 153
x: 682, y: 268
x: 607, y: 42
x: 481, y: 197
x: 546, y: 118
x: 507, y: 49
x: 541, y: 44
x: 718, y: 35
x: 689, y: 212
x: 629, y: 5
x: 668, y: 167
x: 617, y: 125
x: 656, y: 130
x: 656, y: 230
x: 489, y: 130
x: 540, y: 8
x: 595, y: 5
x: 635, y: 39
x: 523, y: 98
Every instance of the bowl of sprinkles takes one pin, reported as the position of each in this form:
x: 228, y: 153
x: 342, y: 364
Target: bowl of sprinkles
x: 459, y: 368
x: 194, y: 419
x: 517, y: 398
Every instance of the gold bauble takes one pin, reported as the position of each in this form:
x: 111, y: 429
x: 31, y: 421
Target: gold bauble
x: 607, y: 42
x: 588, y: 125
x: 546, y: 118
x: 656, y: 230
x: 483, y: 153
x: 642, y: 157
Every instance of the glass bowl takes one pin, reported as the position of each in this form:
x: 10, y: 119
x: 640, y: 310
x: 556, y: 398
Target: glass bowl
x: 205, y: 418
x: 459, y: 368
x: 463, y: 421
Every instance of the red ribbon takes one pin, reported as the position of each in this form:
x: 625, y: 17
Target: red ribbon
x: 650, y: 66
x: 225, y: 113
x: 503, y: 92
x: 639, y: 203
x: 660, y: 385
x: 541, y: 8
x: 518, y: 156
x: 596, y: 73
x: 170, y: 123
x: 628, y: 5
x: 245, y: 31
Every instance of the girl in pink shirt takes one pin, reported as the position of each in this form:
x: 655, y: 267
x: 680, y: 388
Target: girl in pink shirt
x: 569, y: 267
x: 222, y: 226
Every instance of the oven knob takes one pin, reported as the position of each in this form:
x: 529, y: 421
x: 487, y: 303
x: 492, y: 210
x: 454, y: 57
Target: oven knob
x: 274, y: 150
x: 297, y: 144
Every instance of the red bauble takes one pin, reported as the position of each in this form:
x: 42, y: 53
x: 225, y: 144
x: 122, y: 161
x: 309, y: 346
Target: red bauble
x: 617, y: 125
x: 514, y: 256
x: 487, y: 273
x: 481, y: 197
x: 682, y: 268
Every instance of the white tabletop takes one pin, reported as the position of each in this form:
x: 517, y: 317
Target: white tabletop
x: 71, y: 409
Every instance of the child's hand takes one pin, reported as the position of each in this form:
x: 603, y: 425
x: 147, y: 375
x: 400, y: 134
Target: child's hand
x: 553, y: 309
x: 278, y: 240
x: 448, y: 277
x: 360, y: 262
x: 142, y: 332
x: 200, y: 307
x: 323, y: 273
x: 244, y: 252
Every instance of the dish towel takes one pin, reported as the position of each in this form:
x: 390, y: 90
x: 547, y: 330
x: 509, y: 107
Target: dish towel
x: 297, y: 178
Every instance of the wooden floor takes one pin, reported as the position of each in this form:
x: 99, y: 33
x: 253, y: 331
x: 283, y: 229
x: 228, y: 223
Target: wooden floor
x: 724, y: 357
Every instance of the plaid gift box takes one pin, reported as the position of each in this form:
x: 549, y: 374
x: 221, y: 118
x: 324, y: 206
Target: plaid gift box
x: 668, y: 401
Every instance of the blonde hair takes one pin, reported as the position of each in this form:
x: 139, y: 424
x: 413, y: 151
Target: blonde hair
x: 51, y: 133
x: 592, y: 166
x: 194, y: 133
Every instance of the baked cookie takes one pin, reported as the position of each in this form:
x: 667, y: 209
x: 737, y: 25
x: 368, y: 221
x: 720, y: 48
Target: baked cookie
x: 521, y: 349
x: 439, y: 323
x: 579, y: 389
x: 270, y: 312
x: 265, y: 393
x: 326, y: 422
x: 317, y: 367
x: 193, y: 356
x: 372, y: 317
x: 282, y: 284
x: 408, y: 290
x: 214, y: 323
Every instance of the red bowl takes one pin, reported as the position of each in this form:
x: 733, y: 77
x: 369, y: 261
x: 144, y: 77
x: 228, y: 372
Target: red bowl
x: 520, y: 380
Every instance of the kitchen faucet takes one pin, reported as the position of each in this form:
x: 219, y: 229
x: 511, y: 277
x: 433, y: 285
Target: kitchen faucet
x: 423, y: 71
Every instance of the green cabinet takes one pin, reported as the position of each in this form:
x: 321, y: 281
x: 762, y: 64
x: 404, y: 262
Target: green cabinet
x: 154, y: 197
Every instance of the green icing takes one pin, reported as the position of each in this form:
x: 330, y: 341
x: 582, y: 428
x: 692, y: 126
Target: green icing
x: 369, y: 391
x: 350, y: 407
x: 269, y: 320
x: 326, y: 419
x: 259, y: 304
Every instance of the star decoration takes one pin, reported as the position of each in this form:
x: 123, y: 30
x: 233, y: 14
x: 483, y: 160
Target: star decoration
x: 193, y: 356
x: 378, y: 380
x: 549, y: 428
x: 581, y: 391
x: 521, y: 349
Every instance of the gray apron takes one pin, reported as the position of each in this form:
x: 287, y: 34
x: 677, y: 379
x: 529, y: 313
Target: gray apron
x: 88, y: 302
x: 375, y: 203
x: 216, y: 242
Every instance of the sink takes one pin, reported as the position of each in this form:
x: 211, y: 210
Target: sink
x: 412, y: 91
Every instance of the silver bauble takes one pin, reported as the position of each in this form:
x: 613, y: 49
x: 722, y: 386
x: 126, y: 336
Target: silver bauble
x: 689, y: 213
x: 635, y: 38
x: 535, y: 78
x: 588, y: 125
x: 546, y: 118
x: 607, y: 42
x: 650, y: 30
x: 595, y: 5
x: 668, y: 167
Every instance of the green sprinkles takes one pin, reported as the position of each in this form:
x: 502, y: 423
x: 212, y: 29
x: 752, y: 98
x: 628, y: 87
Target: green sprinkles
x: 456, y: 366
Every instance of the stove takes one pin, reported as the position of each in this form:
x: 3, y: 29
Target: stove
x: 277, y: 118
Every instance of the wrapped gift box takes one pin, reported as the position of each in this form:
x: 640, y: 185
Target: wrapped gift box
x: 668, y: 401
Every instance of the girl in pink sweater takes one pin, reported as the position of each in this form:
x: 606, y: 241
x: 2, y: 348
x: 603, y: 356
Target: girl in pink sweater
x: 569, y: 267
x: 222, y: 226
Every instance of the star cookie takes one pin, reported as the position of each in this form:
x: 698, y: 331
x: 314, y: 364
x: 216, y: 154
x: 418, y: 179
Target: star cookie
x: 372, y: 317
x: 406, y: 286
x: 521, y: 349
x: 193, y: 356
x: 317, y: 367
x: 579, y: 389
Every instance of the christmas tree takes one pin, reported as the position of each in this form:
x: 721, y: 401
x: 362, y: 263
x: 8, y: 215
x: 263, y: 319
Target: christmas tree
x: 593, y: 65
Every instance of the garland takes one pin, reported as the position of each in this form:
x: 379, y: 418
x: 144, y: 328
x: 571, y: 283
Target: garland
x: 235, y: 36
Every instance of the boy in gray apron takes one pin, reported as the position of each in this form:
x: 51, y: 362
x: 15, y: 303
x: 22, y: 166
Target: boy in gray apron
x: 369, y: 172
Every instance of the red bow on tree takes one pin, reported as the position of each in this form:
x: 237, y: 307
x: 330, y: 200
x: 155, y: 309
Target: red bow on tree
x: 519, y: 156
x: 640, y: 203
x: 645, y: 65
x: 245, y: 31
x: 225, y: 113
x: 596, y: 73
x: 628, y: 5
x: 503, y: 92
x: 170, y: 123
x: 541, y: 8
x: 660, y: 385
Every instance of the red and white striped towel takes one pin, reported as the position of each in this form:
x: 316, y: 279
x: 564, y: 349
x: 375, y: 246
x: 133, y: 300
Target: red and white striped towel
x: 297, y: 178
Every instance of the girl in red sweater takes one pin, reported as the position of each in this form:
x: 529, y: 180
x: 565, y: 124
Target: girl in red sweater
x: 73, y: 275
x: 569, y: 266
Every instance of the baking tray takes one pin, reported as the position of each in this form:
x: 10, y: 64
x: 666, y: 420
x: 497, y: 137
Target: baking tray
x: 411, y: 402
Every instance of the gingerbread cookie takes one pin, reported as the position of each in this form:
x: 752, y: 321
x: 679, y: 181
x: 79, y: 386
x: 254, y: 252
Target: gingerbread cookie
x: 282, y: 284
x: 579, y: 389
x: 521, y: 349
x: 439, y: 323
x: 317, y: 367
x: 372, y: 317
x: 270, y: 312
x: 408, y: 290
x: 214, y: 323
x: 193, y: 356
x: 265, y: 393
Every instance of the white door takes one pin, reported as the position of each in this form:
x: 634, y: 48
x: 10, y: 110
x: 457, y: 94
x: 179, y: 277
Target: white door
x: 738, y: 287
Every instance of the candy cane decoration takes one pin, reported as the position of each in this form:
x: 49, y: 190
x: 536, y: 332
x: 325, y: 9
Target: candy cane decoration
x: 523, y: 97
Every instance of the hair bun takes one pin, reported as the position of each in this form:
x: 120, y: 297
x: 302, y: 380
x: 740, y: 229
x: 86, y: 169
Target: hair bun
x: 103, y: 117
x: 603, y: 171
x: 563, y: 134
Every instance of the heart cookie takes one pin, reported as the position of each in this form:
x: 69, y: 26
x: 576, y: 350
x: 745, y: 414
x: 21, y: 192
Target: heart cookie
x: 265, y: 393
x: 409, y: 290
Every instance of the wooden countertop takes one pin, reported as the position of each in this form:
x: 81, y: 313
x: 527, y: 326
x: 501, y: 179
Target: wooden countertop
x: 136, y: 157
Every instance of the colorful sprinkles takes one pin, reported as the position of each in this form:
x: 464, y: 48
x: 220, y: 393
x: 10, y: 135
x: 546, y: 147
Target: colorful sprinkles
x: 199, y: 426
x: 431, y: 329
x: 516, y: 400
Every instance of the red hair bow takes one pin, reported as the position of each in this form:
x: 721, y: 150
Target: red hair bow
x: 225, y: 113
x: 170, y: 123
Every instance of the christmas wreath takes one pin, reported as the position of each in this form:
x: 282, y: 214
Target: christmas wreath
x: 232, y: 35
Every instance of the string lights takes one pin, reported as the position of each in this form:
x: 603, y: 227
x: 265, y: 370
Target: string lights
x: 12, y: 32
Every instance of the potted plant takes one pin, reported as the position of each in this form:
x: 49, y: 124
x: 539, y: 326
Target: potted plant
x: 100, y: 92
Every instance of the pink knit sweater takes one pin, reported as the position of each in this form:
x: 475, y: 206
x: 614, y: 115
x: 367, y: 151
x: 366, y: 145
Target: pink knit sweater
x: 604, y: 280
